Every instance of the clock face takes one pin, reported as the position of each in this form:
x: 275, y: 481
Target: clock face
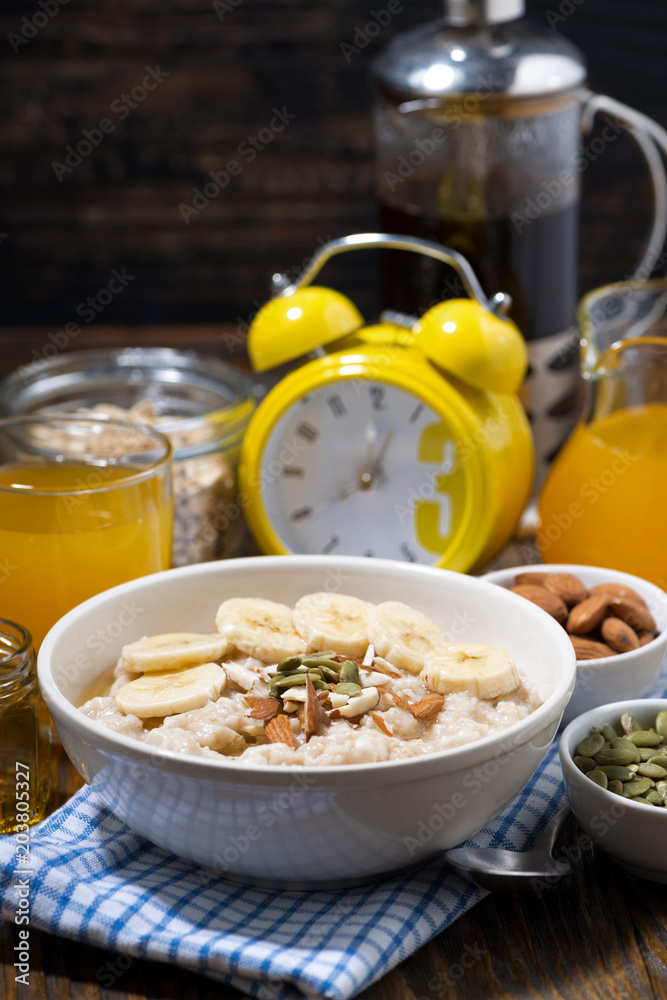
x: 361, y: 467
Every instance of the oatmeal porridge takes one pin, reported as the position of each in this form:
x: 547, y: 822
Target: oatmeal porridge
x: 334, y: 680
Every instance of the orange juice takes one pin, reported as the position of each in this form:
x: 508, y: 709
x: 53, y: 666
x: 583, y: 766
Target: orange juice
x: 604, y: 500
x: 69, y: 530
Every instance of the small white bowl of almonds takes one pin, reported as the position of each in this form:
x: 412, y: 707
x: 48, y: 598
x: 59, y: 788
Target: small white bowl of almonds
x: 617, y: 624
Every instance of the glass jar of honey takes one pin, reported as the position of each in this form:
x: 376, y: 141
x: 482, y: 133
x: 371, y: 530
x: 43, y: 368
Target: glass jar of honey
x: 25, y: 750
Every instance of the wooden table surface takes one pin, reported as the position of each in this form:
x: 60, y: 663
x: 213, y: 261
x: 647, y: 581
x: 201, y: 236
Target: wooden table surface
x: 599, y: 933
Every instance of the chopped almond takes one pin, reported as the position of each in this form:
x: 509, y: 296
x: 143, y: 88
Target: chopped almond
x: 264, y: 708
x: 380, y: 723
x: 428, y: 707
x: 311, y: 715
x: 279, y: 730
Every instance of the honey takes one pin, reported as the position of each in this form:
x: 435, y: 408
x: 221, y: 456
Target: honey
x: 24, y: 735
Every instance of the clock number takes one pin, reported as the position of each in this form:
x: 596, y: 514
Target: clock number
x: 408, y: 553
x: 433, y: 518
x: 308, y: 432
x: 331, y: 545
x: 291, y: 470
x: 377, y: 396
x: 337, y: 406
x: 417, y: 413
x: 301, y: 513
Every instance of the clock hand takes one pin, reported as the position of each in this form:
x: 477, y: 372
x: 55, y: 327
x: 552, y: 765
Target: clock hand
x: 377, y: 467
x: 368, y: 478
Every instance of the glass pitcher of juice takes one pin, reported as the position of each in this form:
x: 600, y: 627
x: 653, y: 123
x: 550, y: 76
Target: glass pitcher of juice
x: 604, y: 499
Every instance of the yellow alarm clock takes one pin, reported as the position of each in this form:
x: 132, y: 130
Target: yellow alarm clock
x: 403, y: 440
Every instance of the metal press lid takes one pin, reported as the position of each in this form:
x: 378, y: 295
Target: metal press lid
x: 473, y: 51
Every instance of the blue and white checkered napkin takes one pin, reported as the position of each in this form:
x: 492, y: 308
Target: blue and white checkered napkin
x: 96, y: 881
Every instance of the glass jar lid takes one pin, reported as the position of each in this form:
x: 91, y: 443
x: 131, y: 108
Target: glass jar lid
x: 200, y: 402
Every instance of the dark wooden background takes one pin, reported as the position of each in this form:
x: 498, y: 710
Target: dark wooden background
x: 120, y: 207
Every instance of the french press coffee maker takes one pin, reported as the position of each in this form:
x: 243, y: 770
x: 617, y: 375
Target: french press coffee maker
x: 481, y: 131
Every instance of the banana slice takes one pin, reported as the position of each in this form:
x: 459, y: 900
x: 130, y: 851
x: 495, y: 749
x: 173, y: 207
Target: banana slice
x: 173, y: 650
x: 486, y: 671
x: 334, y: 621
x: 260, y: 628
x: 173, y: 692
x: 403, y: 636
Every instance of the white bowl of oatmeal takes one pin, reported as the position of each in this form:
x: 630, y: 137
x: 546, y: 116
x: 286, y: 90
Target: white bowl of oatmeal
x: 433, y: 746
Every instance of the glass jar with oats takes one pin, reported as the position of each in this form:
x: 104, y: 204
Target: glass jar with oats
x: 200, y: 403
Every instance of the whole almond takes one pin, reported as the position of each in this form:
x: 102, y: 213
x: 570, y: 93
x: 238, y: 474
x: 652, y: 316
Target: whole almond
x: 633, y: 613
x: 587, y: 614
x: 588, y: 649
x: 567, y: 586
x: 619, y: 635
x: 645, y: 638
x: 544, y: 599
x: 536, y: 578
x: 618, y: 590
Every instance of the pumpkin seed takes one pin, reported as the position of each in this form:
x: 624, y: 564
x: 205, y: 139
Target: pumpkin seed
x: 614, y: 772
x: 625, y: 744
x: 284, y: 681
x: 633, y: 766
x: 590, y: 745
x: 652, y: 771
x: 329, y: 674
x: 584, y: 763
x: 320, y: 660
x: 289, y: 664
x: 349, y: 673
x: 598, y: 776
x: 629, y: 723
x: 644, y: 738
x: 615, y: 755
x: 637, y: 786
x: 347, y: 687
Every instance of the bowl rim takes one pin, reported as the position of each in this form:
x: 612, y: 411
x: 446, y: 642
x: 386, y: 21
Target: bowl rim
x: 614, y: 708
x: 112, y: 742
x: 497, y: 577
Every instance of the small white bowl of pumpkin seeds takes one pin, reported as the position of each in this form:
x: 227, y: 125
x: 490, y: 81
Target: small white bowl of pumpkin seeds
x: 614, y: 761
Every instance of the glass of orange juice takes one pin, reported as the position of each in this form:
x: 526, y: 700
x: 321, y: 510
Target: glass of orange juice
x: 85, y: 504
x: 603, y: 502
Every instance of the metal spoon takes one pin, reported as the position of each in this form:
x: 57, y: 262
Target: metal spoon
x: 495, y: 868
